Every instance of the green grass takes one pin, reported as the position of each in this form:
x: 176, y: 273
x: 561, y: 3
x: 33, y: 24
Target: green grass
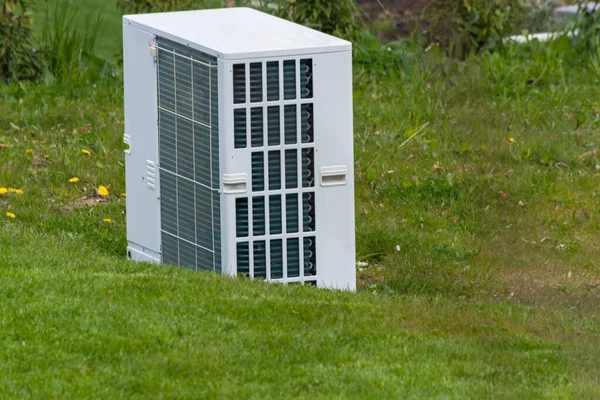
x: 468, y: 293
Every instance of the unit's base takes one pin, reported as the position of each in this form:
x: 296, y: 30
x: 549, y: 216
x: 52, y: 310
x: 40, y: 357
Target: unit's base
x: 136, y: 252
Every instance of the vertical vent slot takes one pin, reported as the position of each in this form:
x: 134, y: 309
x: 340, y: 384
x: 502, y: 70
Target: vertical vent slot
x: 275, y: 214
x: 258, y: 172
x: 260, y: 259
x: 256, y: 127
x: 276, y: 259
x: 273, y: 126
x: 243, y: 259
x: 310, y: 256
x: 293, y: 257
x: 308, y: 210
x: 308, y: 167
x: 241, y: 217
x: 256, y: 81
x: 273, y: 81
x: 274, y: 170
x: 291, y: 124
x: 239, y: 83
x: 239, y: 128
x: 258, y: 216
x: 291, y: 169
x: 307, y: 126
x: 306, y: 79
x: 291, y: 212
x: 289, y: 79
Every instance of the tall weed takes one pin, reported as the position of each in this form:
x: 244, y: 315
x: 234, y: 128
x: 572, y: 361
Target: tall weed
x: 67, y: 44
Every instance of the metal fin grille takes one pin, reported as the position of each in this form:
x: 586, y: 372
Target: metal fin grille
x: 188, y: 156
x: 276, y: 224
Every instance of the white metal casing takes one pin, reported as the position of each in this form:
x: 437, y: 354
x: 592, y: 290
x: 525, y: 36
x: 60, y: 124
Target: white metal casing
x: 237, y: 36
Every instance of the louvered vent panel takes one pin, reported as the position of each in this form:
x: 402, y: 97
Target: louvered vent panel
x: 256, y: 127
x: 307, y: 123
x: 241, y: 217
x: 258, y: 172
x: 306, y: 79
x: 189, y: 156
x: 239, y: 83
x: 274, y: 170
x: 275, y: 214
x: 308, y: 212
x: 291, y: 169
x: 276, y: 259
x: 260, y: 259
x: 239, y: 128
x: 310, y: 256
x: 291, y: 124
x: 243, y: 258
x: 273, y: 81
x: 289, y: 79
x: 258, y: 216
x: 293, y: 257
x: 256, y: 82
x: 291, y: 212
x: 273, y: 126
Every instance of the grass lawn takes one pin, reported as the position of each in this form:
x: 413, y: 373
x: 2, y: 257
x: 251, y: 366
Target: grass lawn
x: 477, y: 195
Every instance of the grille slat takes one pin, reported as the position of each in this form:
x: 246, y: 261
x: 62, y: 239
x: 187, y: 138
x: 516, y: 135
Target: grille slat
x: 258, y: 216
x: 293, y: 257
x: 241, y: 217
x: 291, y: 124
x: 273, y: 126
x: 243, y: 258
x: 256, y: 127
x: 260, y: 259
x: 273, y: 81
x: 276, y: 259
x: 291, y: 212
x: 256, y: 81
x: 306, y: 78
x: 289, y: 79
x: 310, y: 256
x: 291, y: 169
x: 274, y: 170
x: 239, y: 83
x: 239, y: 128
x: 275, y: 214
x: 258, y: 172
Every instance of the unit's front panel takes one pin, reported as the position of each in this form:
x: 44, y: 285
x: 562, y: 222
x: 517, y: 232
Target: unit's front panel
x: 271, y: 161
x: 271, y: 114
x: 188, y: 127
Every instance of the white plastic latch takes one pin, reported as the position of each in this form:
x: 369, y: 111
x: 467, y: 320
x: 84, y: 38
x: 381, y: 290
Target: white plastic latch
x: 153, y: 51
x: 334, y: 175
x: 235, y: 183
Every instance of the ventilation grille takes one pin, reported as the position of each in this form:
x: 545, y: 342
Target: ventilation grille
x: 276, y: 224
x: 189, y: 156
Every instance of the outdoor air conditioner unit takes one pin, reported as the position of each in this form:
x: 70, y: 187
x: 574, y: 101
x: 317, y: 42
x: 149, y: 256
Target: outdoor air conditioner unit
x: 240, y: 158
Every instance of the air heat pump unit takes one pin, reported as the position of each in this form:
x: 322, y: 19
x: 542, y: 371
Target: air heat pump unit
x: 240, y: 158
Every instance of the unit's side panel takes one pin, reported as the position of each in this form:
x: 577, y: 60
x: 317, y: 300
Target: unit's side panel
x: 334, y: 166
x: 141, y: 132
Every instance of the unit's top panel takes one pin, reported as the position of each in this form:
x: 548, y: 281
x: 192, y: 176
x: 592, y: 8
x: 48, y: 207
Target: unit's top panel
x: 236, y: 33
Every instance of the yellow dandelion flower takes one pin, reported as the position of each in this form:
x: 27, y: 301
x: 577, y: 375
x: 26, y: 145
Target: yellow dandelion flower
x: 511, y: 140
x: 10, y: 215
x: 74, y: 179
x: 123, y: 194
x: 86, y: 152
x: 107, y: 220
x: 102, y: 191
x: 3, y: 190
x: 29, y: 151
x: 15, y: 191
x: 46, y: 156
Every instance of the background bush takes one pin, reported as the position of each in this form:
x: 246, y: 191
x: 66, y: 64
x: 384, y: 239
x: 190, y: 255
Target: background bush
x: 461, y: 27
x: 17, y: 59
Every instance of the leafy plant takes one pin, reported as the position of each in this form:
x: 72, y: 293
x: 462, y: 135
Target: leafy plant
x: 68, y: 42
x: 585, y: 27
x: 17, y: 59
x: 461, y: 27
x: 333, y: 17
x: 144, y: 6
